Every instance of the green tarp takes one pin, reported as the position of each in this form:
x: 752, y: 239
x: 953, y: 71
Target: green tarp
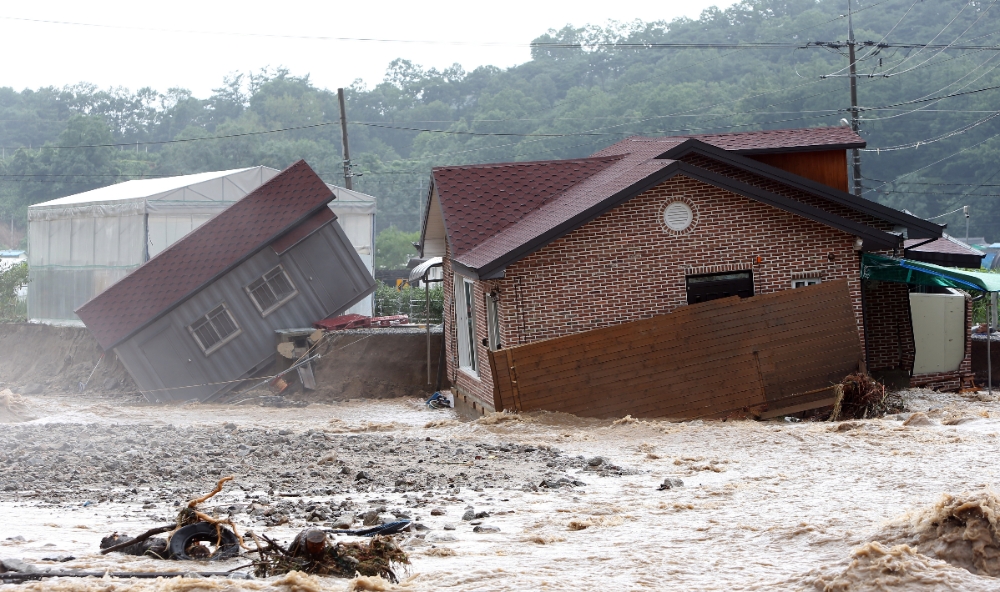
x: 886, y: 269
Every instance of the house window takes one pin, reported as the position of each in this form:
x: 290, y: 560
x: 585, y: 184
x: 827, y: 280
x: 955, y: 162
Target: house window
x: 271, y: 290
x: 805, y: 282
x: 215, y: 329
x: 465, y: 316
x: 702, y: 288
x: 493, y: 321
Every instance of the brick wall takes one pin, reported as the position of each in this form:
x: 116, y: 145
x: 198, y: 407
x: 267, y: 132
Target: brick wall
x: 889, y: 328
x: 625, y: 265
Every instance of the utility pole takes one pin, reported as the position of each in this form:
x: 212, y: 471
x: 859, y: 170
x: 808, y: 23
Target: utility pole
x: 348, y: 175
x: 965, y: 210
x: 855, y: 116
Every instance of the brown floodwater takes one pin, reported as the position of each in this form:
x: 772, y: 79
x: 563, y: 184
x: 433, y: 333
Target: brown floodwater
x: 865, y: 505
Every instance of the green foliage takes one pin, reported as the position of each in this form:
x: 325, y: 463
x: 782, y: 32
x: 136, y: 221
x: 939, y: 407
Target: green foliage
x: 409, y: 301
x: 12, y: 280
x: 394, y: 248
x: 566, y: 101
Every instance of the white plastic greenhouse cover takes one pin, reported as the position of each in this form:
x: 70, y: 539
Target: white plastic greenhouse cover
x: 80, y: 245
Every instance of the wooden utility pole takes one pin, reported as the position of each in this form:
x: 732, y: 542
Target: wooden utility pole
x: 348, y: 175
x: 855, y: 115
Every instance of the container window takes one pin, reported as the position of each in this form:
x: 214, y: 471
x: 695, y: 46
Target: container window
x: 214, y: 329
x: 271, y: 290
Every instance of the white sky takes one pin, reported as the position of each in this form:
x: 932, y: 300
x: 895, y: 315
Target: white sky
x: 193, y: 44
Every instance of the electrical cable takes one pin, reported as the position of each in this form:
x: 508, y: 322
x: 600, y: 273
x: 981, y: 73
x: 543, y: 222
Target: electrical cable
x: 987, y: 9
x: 938, y: 161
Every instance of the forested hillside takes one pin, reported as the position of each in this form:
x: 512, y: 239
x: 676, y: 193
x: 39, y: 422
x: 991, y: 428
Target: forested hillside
x: 929, y: 114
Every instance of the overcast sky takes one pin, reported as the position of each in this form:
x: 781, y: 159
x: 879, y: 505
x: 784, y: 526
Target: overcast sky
x: 193, y: 44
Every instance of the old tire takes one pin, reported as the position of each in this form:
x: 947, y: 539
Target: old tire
x: 228, y: 547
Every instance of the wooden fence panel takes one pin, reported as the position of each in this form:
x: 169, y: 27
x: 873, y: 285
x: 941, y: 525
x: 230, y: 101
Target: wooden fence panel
x: 762, y: 354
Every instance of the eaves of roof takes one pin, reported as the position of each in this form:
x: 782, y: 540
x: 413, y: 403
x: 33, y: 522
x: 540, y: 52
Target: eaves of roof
x: 917, y: 227
x: 873, y: 238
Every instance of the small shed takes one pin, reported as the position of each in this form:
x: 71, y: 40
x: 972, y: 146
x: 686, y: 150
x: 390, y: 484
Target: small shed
x: 200, y: 316
x: 81, y: 244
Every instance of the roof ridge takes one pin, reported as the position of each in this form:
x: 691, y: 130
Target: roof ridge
x: 491, y: 165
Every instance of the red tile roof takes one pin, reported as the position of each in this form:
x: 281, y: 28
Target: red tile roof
x: 493, y: 211
x: 209, y: 251
x: 485, y: 199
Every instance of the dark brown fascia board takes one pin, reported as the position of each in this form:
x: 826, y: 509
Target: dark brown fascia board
x: 923, y: 228
x: 814, y: 148
x: 946, y: 259
x: 873, y: 238
x: 215, y: 277
x: 312, y: 232
x: 427, y: 214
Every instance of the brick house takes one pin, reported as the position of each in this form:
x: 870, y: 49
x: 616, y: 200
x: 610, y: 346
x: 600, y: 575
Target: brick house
x: 535, y: 250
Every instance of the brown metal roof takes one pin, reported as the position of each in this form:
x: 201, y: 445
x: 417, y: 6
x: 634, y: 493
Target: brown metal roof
x: 946, y: 251
x: 214, y: 248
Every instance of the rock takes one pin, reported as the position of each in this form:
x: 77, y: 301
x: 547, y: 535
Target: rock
x: 362, y: 476
x: 450, y: 526
x: 16, y: 565
x: 441, y: 537
x: 670, y: 483
x: 418, y: 527
x: 469, y: 514
x: 958, y: 420
x: 437, y: 512
x: 919, y: 419
x: 595, y: 462
x: 386, y: 518
x: 229, y: 426
x: 485, y: 529
x: 370, y: 518
x: 482, y: 515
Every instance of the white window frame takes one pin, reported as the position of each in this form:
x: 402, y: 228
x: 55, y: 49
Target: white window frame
x: 803, y: 282
x: 266, y: 311
x: 206, y: 318
x: 493, y: 321
x: 465, y: 324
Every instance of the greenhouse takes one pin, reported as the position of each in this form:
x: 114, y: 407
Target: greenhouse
x: 81, y: 244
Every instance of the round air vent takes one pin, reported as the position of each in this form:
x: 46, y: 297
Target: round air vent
x: 678, y: 216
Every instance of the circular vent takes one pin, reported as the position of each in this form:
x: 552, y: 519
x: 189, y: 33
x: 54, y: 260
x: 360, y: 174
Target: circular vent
x: 678, y: 216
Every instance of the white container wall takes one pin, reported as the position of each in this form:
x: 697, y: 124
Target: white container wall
x: 356, y: 215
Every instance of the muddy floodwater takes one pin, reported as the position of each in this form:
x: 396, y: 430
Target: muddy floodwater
x: 577, y: 504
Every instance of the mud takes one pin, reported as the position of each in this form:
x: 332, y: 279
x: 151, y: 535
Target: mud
x: 42, y: 359
x: 371, y: 364
x: 763, y: 506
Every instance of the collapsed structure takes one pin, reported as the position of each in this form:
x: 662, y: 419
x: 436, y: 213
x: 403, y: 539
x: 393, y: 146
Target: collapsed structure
x: 202, y: 314
x: 541, y: 250
x: 82, y: 244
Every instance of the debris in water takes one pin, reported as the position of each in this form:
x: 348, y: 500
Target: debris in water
x: 859, y: 396
x: 311, y: 553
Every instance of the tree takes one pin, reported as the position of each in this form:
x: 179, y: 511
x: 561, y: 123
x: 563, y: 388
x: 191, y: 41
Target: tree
x: 394, y: 248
